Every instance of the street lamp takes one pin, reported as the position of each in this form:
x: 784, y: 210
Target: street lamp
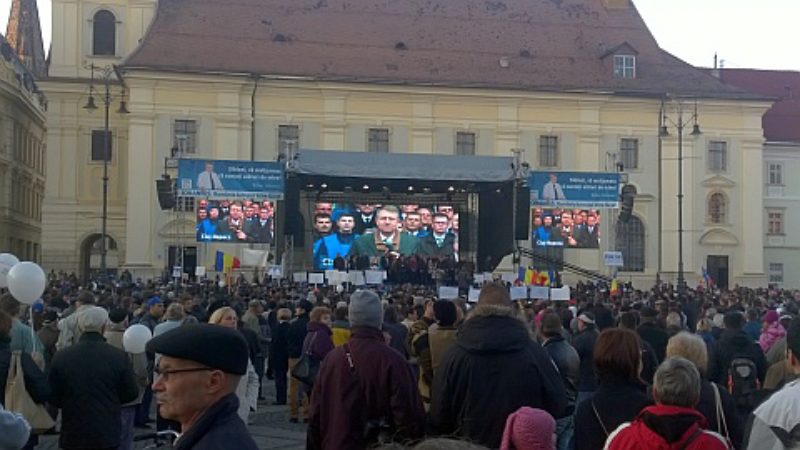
x: 663, y: 133
x: 106, y: 74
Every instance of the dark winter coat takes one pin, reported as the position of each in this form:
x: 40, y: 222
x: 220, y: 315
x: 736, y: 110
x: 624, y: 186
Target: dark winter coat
x: 569, y: 367
x: 90, y: 380
x: 584, y: 345
x: 297, y: 335
x: 616, y: 401
x: 707, y: 406
x: 493, y: 369
x: 279, y: 348
x: 734, y: 344
x: 656, y: 337
x: 319, y: 340
x: 35, y: 381
x: 219, y: 427
x: 378, y: 385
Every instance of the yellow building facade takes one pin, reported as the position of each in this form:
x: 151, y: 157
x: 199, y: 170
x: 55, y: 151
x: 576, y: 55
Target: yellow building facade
x: 22, y: 158
x: 223, y: 107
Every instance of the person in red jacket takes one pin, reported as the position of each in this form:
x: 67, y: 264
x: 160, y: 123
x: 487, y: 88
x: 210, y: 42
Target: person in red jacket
x: 672, y: 423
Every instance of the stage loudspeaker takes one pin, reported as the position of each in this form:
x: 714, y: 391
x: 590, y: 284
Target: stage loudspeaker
x: 523, y: 219
x: 626, y: 207
x: 165, y: 188
x: 293, y: 219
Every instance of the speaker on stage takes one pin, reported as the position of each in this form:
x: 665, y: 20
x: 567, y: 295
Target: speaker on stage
x: 523, y: 219
x: 165, y: 188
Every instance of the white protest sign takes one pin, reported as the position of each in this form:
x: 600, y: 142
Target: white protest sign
x: 316, y: 278
x: 561, y: 294
x: 200, y: 271
x: 519, y: 293
x: 474, y: 294
x: 275, y: 271
x: 358, y: 278
x: 508, y: 277
x: 299, y: 277
x: 176, y: 271
x: 332, y: 276
x: 478, y: 278
x: 613, y: 259
x: 540, y: 292
x: 448, y: 292
x: 374, y: 276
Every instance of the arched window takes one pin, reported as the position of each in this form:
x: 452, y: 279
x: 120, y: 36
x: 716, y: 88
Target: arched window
x: 631, y: 242
x: 104, y: 34
x: 716, y: 208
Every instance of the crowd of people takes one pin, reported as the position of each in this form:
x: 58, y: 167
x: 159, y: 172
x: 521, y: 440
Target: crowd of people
x: 399, y: 368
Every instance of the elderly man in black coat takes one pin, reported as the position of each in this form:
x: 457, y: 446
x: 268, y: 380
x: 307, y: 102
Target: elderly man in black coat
x: 492, y: 370
x: 196, y: 382
x: 90, y: 381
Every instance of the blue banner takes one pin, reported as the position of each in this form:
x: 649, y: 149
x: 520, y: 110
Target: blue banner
x: 574, y: 189
x: 230, y: 179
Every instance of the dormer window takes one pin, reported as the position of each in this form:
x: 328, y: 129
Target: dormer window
x: 624, y: 66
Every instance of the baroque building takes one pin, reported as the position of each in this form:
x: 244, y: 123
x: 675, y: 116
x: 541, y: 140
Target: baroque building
x: 575, y: 83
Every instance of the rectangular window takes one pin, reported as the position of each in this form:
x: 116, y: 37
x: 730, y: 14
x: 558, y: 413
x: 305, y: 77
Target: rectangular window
x: 465, y: 143
x: 718, y: 156
x: 776, y: 273
x: 624, y: 66
x: 184, y: 136
x: 288, y: 135
x: 378, y: 140
x: 185, y: 204
x: 98, y: 145
x: 774, y: 222
x: 775, y: 175
x: 548, y: 151
x: 629, y: 153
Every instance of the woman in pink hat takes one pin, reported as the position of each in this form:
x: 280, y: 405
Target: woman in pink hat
x: 772, y: 332
x: 529, y: 429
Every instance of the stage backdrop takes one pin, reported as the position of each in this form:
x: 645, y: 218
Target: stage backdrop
x: 574, y: 190
x: 225, y: 179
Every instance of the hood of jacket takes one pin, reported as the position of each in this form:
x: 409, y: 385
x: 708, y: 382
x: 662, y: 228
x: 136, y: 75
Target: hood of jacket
x: 493, y: 329
x: 736, y: 338
x: 672, y: 423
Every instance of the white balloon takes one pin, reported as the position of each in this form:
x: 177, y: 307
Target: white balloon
x: 135, y: 338
x: 26, y: 282
x: 7, y: 261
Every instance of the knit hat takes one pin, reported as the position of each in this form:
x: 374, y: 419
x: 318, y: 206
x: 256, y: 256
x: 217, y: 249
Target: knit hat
x: 529, y: 429
x: 771, y: 316
x: 365, y: 309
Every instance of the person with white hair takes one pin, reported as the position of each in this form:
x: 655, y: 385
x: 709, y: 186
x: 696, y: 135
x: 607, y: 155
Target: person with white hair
x: 90, y: 381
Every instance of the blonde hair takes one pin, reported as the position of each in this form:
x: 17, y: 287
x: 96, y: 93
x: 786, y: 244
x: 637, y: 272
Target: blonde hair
x: 284, y: 314
x: 318, y: 312
x: 217, y: 316
x: 674, y: 320
x: 704, y: 326
x: 691, y: 347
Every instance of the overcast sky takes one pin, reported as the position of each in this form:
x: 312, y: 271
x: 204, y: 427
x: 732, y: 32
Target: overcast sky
x: 745, y: 33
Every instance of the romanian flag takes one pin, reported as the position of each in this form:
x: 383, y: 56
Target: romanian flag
x: 707, y: 278
x: 614, y: 287
x: 530, y: 276
x: 225, y: 262
x: 543, y: 279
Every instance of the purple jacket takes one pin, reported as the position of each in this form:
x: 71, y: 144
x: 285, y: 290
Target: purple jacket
x: 319, y: 340
x: 771, y: 335
x: 379, y: 386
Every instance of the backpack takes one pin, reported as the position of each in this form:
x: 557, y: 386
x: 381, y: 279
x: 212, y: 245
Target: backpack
x: 742, y: 382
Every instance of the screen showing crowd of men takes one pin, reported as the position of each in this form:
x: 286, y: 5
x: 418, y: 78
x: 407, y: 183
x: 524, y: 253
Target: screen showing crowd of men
x: 578, y: 228
x: 382, y: 233
x: 246, y: 221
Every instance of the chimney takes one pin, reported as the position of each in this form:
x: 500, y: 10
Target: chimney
x: 617, y: 4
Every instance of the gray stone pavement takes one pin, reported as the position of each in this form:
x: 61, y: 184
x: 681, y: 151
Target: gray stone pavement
x: 270, y: 427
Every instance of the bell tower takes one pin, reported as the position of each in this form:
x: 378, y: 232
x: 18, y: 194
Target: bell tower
x: 24, y: 34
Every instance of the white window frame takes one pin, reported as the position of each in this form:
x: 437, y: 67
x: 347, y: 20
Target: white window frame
x: 780, y: 220
x: 775, y: 172
x: 379, y: 145
x: 284, y: 140
x: 190, y: 145
x: 717, y: 156
x: 775, y: 273
x: 548, y: 161
x: 627, y: 152
x: 461, y: 145
x: 625, y: 66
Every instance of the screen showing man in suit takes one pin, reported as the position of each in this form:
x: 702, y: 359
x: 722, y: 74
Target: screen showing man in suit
x: 250, y: 221
x: 402, y: 230
x: 566, y: 228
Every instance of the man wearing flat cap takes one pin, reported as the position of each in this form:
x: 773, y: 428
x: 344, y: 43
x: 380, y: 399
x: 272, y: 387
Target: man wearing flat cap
x: 195, y: 385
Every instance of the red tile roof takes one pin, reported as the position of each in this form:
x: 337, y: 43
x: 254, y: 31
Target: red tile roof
x: 506, y: 44
x: 782, y: 121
